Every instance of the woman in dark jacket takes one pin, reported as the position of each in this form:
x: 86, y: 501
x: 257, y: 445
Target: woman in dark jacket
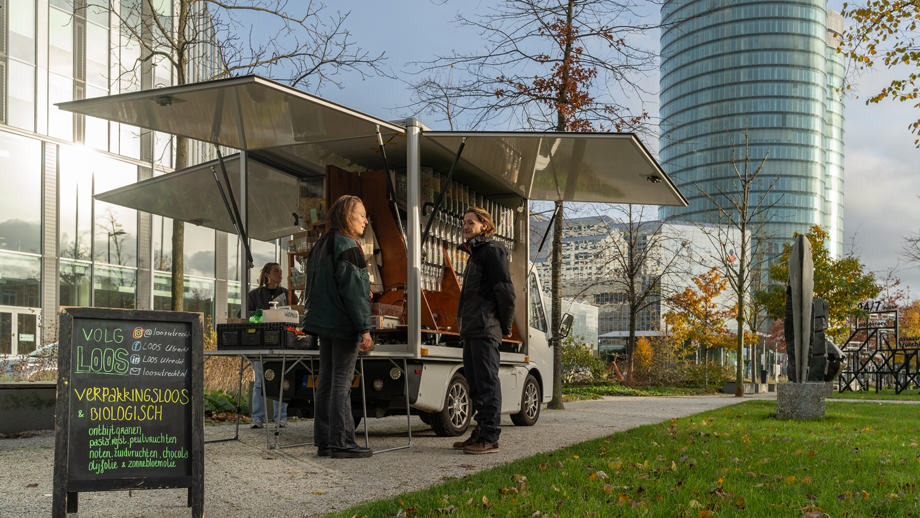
x: 338, y: 311
x: 485, y: 313
x: 269, y: 290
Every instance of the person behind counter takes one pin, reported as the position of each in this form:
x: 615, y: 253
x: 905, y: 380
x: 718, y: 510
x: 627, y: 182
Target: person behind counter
x: 485, y: 313
x: 269, y: 290
x: 338, y: 312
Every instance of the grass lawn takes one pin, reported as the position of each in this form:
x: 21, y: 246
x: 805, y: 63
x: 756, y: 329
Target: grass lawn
x: 860, y: 461
x: 596, y: 391
x: 907, y: 395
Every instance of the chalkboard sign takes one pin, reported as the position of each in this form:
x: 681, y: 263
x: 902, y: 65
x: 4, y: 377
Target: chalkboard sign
x: 130, y: 406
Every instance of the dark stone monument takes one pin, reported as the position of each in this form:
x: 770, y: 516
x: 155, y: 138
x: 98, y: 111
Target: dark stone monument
x: 813, y: 359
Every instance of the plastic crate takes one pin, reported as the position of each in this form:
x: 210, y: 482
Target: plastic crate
x: 254, y: 336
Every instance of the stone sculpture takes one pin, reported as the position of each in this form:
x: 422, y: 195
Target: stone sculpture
x: 807, y: 347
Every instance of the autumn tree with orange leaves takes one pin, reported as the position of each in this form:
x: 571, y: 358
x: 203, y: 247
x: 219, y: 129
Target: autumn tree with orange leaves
x: 698, y: 318
x: 884, y: 32
x: 556, y: 65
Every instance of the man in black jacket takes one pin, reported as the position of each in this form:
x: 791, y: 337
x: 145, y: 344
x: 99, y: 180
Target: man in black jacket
x: 485, y: 313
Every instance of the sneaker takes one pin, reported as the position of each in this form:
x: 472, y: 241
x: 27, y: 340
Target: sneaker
x: 323, y: 452
x: 358, y: 452
x: 481, y: 447
x: 474, y: 437
x: 257, y: 423
x: 282, y: 423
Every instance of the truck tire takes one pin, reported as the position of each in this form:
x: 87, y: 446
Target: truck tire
x: 454, y: 419
x: 530, y: 403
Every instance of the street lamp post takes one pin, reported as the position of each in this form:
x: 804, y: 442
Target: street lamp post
x: 109, y: 244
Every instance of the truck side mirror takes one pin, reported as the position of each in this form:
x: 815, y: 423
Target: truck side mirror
x: 565, y: 326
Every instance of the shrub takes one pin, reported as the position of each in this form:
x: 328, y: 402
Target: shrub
x: 220, y: 401
x: 579, y: 364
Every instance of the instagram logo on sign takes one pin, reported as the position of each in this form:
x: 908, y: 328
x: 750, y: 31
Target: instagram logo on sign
x: 148, y: 332
x: 138, y: 332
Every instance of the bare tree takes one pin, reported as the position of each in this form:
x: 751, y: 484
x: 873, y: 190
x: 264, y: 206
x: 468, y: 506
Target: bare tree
x: 638, y: 262
x: 560, y: 65
x: 115, y: 235
x: 740, y: 238
x: 201, y: 40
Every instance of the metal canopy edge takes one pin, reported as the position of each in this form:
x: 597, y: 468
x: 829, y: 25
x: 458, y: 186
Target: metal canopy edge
x: 191, y: 195
x: 611, y: 167
x: 247, y: 113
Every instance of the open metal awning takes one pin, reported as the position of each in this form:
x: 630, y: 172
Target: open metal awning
x: 252, y: 113
x: 192, y: 196
x: 579, y: 167
x: 245, y: 113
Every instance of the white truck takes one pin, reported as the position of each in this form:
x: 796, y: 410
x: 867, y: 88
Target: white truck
x: 292, y: 151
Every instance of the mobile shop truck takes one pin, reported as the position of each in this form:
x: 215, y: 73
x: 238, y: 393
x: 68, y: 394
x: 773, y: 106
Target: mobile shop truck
x: 295, y: 153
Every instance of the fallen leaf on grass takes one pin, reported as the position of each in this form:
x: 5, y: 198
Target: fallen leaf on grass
x: 705, y: 513
x: 598, y: 475
x: 615, y: 466
x: 790, y: 479
x: 806, y: 480
x: 694, y: 504
x: 508, y: 491
x: 445, y: 510
x: 558, y: 463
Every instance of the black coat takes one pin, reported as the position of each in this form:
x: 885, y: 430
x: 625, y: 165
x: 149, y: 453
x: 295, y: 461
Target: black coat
x: 486, y: 307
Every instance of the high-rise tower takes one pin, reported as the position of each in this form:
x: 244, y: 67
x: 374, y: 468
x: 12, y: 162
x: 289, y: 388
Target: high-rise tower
x: 771, y: 67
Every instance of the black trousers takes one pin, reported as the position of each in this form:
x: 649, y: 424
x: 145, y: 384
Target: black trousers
x: 480, y: 364
x: 333, y: 423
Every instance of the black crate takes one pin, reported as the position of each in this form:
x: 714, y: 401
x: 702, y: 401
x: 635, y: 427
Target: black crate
x: 254, y: 336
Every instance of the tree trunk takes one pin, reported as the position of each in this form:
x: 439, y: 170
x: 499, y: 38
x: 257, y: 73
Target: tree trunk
x: 631, y: 344
x: 177, y: 290
x: 556, y: 402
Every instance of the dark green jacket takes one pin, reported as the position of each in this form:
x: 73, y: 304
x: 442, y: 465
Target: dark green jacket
x: 338, y: 289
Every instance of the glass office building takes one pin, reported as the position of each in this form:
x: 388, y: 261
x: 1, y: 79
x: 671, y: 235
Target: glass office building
x: 58, y: 245
x: 768, y: 68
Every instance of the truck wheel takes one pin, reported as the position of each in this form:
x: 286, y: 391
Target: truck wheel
x: 454, y: 419
x: 530, y: 403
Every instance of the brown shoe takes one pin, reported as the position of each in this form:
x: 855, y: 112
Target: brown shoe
x: 474, y: 437
x: 481, y: 447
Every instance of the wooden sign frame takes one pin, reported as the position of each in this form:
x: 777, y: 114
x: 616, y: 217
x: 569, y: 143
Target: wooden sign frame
x: 66, y: 489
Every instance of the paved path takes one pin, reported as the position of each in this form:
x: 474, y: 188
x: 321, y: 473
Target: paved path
x: 243, y: 479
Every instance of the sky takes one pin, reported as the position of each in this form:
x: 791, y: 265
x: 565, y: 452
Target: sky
x: 882, y: 184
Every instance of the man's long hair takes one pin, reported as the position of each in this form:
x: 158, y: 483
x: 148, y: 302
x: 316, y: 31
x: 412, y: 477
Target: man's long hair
x: 484, y: 217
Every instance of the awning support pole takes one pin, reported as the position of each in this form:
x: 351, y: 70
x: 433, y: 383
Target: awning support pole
x: 235, y: 224
x: 437, y: 202
x: 232, y: 208
x: 392, y: 190
x: 543, y: 241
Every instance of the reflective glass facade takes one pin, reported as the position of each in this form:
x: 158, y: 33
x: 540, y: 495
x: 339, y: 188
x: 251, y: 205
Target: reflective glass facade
x: 58, y: 245
x: 768, y: 68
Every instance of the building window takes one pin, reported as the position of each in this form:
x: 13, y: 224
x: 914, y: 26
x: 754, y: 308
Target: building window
x: 20, y: 280
x: 75, y: 283
x: 198, y: 259
x: 198, y: 294
x: 20, y: 198
x: 114, y: 287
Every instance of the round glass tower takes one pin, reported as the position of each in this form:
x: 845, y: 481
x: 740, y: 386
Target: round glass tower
x: 760, y: 75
